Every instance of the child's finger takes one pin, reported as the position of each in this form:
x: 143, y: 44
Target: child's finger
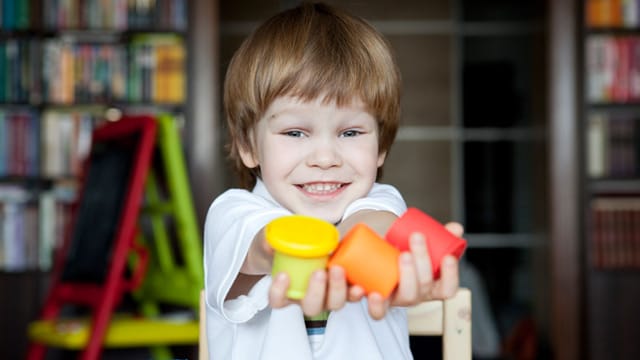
x: 448, y: 283
x: 449, y: 278
x: 455, y: 228
x: 407, y: 292
x: 313, y: 302
x: 337, y: 289
x: 377, y: 306
x: 278, y: 291
x: 355, y: 293
x: 418, y: 245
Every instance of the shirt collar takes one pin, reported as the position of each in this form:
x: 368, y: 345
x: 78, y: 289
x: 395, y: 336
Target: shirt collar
x: 261, y: 190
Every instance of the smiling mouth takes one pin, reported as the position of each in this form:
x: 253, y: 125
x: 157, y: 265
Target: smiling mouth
x: 322, y: 188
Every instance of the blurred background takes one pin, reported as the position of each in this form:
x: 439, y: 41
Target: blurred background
x: 520, y: 120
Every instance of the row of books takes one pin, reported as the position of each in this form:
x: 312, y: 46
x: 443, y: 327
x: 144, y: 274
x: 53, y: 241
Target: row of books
x: 613, y: 146
x: 151, y: 68
x: 16, y: 14
x: 612, y: 69
x: 615, y: 233
x: 93, y: 14
x: 83, y: 72
x: 52, y: 145
x: 115, y: 14
x: 612, y: 13
x: 32, y: 228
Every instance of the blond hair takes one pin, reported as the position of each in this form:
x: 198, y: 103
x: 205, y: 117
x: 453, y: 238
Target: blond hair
x: 310, y: 51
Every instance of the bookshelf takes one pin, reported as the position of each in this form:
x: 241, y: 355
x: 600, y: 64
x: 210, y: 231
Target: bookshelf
x: 472, y: 144
x: 64, y: 67
x: 610, y: 172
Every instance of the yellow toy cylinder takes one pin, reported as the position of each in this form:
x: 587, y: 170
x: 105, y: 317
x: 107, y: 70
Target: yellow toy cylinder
x: 302, y: 245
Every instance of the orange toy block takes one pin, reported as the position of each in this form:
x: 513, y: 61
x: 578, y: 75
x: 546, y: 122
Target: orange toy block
x: 368, y: 260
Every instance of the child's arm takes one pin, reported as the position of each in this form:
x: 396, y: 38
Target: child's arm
x: 256, y: 264
x: 378, y: 220
x: 233, y: 222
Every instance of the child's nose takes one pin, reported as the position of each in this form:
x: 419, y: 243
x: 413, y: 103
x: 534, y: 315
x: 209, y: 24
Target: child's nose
x: 325, y: 154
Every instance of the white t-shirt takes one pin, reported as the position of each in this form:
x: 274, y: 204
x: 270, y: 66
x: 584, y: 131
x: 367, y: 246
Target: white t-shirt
x: 247, y: 328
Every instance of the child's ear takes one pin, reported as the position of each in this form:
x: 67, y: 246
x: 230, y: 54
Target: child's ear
x: 381, y: 157
x: 248, y: 158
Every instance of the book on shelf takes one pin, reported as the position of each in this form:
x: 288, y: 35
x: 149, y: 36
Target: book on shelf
x: 16, y: 14
x: 612, y: 13
x: 157, y: 70
x: 47, y: 230
x: 615, y: 232
x: 169, y: 79
x: 613, y: 146
x: 612, y: 69
x: 19, y: 143
x: 19, y: 70
x: 32, y: 225
x: 597, y: 149
x: 66, y: 141
x: 12, y: 248
x: 115, y: 14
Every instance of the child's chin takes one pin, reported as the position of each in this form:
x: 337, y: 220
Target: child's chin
x: 332, y: 217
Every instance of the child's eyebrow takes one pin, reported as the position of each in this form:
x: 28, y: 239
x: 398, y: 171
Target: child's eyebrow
x: 277, y: 117
x: 284, y: 111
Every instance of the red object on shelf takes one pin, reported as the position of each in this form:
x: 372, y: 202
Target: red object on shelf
x: 440, y: 241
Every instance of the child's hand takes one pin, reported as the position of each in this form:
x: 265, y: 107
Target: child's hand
x: 416, y: 282
x: 327, y: 290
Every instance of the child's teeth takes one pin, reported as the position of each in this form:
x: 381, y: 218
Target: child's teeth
x: 321, y: 188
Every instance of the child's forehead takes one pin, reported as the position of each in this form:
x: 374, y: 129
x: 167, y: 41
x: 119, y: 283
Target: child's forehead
x: 289, y: 108
x: 292, y: 102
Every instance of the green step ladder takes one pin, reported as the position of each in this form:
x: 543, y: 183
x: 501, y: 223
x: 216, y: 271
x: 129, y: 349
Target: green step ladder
x: 170, y: 232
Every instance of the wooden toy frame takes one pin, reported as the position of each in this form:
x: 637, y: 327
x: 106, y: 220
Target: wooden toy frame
x: 78, y: 282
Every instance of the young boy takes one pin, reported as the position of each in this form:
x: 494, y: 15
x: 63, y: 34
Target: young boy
x: 312, y: 104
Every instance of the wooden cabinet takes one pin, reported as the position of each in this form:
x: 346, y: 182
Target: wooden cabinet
x: 609, y: 125
x: 593, y: 189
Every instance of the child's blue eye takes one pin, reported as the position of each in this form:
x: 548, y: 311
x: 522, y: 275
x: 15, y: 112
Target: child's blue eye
x: 350, y: 133
x: 294, y: 133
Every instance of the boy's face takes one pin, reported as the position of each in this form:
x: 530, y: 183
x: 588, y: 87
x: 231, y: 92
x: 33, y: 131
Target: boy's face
x: 314, y: 158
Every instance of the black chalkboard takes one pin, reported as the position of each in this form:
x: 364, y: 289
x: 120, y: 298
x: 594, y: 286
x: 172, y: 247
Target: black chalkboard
x: 104, y: 193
